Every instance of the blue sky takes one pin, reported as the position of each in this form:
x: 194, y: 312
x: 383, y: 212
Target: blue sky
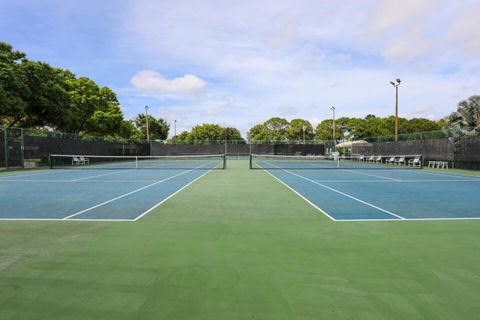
x: 238, y: 63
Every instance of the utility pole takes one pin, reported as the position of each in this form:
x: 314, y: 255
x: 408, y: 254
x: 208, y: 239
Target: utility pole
x: 146, y: 121
x: 396, y: 84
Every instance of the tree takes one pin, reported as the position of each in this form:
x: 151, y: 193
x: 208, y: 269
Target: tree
x: 295, y: 131
x: 48, y: 100
x: 256, y: 132
x: 158, y: 128
x: 232, y: 134
x: 129, y: 131
x: 324, y: 130
x: 274, y: 129
x: 182, y: 138
x: 208, y: 133
x: 466, y: 120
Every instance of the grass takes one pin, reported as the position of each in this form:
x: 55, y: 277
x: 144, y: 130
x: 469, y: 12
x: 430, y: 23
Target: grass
x: 239, y: 245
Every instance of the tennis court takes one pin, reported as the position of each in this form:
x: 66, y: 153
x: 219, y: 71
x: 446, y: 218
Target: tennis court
x: 359, y: 191
x: 108, y: 188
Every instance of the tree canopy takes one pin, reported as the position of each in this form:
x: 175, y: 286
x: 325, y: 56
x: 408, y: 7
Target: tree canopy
x: 280, y: 129
x: 372, y: 126
x: 158, y: 128
x: 207, y: 133
x: 466, y: 120
x: 34, y: 94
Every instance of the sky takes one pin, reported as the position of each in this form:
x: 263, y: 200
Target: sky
x: 238, y: 63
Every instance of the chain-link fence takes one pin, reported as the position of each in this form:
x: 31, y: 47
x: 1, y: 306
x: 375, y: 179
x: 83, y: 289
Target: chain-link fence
x: 27, y: 148
x: 30, y: 148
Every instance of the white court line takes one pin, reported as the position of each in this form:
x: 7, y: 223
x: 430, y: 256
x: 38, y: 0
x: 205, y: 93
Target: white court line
x: 70, y: 181
x: 14, y: 175
x: 130, y: 193
x: 371, y: 175
x: 298, y: 194
x: 342, y: 193
x: 399, y: 181
x: 61, y: 219
x: 411, y: 219
x: 161, y: 202
x: 101, y: 175
x: 448, y: 175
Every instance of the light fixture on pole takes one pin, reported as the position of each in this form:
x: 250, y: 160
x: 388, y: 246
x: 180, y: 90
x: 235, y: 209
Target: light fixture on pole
x: 146, y: 121
x: 334, y: 134
x: 175, y: 129
x: 303, y: 128
x: 396, y: 84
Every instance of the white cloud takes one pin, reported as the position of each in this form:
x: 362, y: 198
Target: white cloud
x: 261, y: 57
x: 407, y: 46
x: 422, y: 109
x: 388, y: 15
x: 287, y: 110
x: 212, y: 111
x: 148, y: 81
x: 465, y: 31
x: 342, y: 57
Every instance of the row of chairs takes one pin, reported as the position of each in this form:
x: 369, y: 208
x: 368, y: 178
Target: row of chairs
x: 395, y: 160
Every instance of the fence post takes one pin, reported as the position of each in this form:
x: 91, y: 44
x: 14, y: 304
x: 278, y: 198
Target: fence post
x: 22, y: 148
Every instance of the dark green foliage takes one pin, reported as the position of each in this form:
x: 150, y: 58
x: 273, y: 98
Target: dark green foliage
x: 158, y: 128
x: 372, y: 126
x: 466, y: 120
x: 279, y: 129
x: 34, y: 94
x: 208, y: 133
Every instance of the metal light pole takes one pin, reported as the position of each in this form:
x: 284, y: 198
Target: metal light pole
x: 334, y: 135
x: 303, y: 127
x: 175, y: 129
x: 396, y: 84
x: 146, y: 120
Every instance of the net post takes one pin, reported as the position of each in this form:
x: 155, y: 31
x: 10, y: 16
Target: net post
x: 250, y: 161
x: 224, y: 161
x: 50, y: 164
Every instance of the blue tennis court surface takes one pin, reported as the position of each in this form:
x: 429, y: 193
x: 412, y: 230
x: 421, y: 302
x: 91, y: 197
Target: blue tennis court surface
x: 385, y: 194
x: 98, y: 194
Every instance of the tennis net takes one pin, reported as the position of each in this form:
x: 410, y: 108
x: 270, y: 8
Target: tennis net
x: 186, y: 162
x: 269, y: 161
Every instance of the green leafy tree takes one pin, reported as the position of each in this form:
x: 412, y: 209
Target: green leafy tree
x: 183, y: 138
x: 13, y: 86
x: 466, y: 120
x: 256, y: 132
x: 296, y: 128
x: 34, y: 94
x: 208, y: 133
x: 31, y: 93
x: 274, y: 129
x: 158, y: 128
x: 324, y: 130
x: 48, y: 101
x: 129, y: 131
x: 232, y: 134
x: 93, y: 110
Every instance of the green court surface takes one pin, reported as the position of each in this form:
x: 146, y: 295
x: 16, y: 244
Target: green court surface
x: 237, y: 244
